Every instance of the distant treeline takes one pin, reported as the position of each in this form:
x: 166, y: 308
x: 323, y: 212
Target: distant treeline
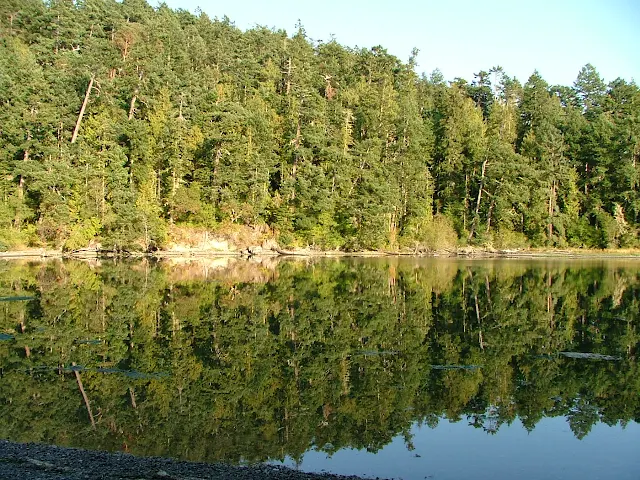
x: 344, y: 354
x: 119, y: 120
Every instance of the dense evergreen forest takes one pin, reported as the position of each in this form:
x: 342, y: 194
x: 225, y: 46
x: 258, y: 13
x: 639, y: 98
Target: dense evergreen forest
x: 255, y: 364
x: 120, y: 122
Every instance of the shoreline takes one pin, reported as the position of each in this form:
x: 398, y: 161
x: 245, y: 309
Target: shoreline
x: 50, y: 462
x: 461, y: 253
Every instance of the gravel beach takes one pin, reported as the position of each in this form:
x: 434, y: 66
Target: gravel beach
x: 45, y: 462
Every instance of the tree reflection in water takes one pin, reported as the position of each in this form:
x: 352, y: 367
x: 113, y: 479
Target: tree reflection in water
x: 238, y: 361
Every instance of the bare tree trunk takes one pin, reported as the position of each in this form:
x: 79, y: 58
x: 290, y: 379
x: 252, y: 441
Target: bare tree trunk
x: 347, y: 132
x: 476, y: 215
x: 480, y: 338
x: 84, y: 396
x: 289, y: 68
x: 180, y: 116
x: 296, y: 143
x: 132, y: 106
x: 133, y: 397
x: 466, y: 202
x: 103, y: 199
x: 23, y: 328
x: 586, y: 186
x: 84, y: 106
x: 147, y: 239
x: 216, y: 163
x: 491, y: 205
x: 550, y: 307
x: 552, y: 195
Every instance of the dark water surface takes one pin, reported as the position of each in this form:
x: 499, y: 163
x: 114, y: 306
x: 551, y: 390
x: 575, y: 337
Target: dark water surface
x: 405, y: 368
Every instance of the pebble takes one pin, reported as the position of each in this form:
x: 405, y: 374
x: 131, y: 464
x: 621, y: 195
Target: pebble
x: 47, y: 462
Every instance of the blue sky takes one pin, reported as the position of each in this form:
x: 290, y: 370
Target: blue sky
x: 462, y: 37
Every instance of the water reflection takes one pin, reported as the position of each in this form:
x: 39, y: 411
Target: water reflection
x: 452, y: 451
x: 238, y: 361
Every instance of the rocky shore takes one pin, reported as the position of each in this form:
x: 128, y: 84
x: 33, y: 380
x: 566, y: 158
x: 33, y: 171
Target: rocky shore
x: 46, y: 462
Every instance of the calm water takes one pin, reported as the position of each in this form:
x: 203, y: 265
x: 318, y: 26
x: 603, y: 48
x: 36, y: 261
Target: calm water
x: 398, y: 368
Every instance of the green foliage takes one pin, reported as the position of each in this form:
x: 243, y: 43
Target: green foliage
x: 13, y: 239
x: 436, y: 233
x: 191, y: 120
x: 510, y: 239
x: 82, y: 234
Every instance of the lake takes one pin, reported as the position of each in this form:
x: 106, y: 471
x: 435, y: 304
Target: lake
x: 390, y: 367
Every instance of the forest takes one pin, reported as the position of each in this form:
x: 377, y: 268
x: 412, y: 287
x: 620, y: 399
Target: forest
x: 242, y: 365
x: 121, y: 122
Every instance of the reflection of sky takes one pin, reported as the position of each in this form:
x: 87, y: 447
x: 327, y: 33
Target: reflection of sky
x: 458, y: 451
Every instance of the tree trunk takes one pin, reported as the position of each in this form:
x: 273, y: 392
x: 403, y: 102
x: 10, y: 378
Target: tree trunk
x: 466, y: 202
x: 132, y: 106
x: 490, y: 213
x: 84, y: 396
x: 84, y: 106
x: 103, y: 199
x: 216, y: 163
x: 476, y: 215
x: 552, y: 195
x: 133, y: 397
x: 586, y: 185
x: 289, y: 68
x: 347, y: 132
x: 480, y: 337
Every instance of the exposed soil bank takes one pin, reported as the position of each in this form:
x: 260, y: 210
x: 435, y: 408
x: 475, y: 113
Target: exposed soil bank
x: 45, y: 462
